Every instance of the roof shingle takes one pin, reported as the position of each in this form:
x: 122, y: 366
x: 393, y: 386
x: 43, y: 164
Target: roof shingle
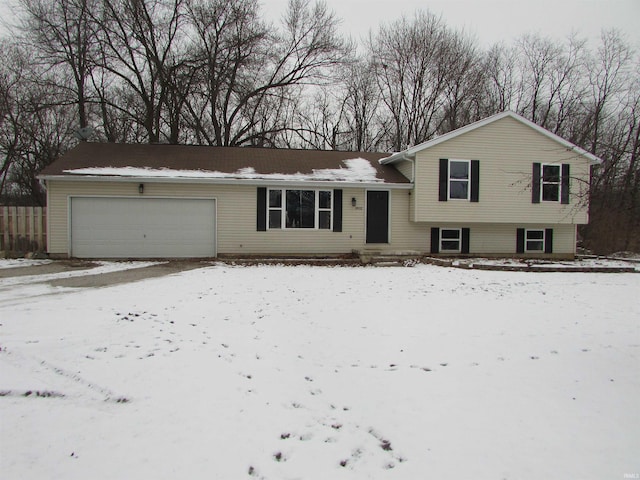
x: 90, y: 158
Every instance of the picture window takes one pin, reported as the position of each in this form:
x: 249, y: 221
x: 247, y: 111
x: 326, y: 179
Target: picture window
x: 300, y: 209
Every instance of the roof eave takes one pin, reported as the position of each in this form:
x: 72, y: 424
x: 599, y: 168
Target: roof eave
x: 397, y: 157
x: 227, y: 181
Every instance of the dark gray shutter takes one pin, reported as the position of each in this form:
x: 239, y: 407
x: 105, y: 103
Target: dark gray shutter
x: 564, y: 192
x: 465, y: 240
x: 337, y: 210
x: 520, y: 241
x: 435, y: 240
x: 444, y: 180
x: 261, y: 215
x: 535, y: 184
x: 475, y: 180
x: 548, y: 240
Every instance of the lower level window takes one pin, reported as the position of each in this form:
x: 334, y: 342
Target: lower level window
x: 450, y: 240
x: 299, y: 209
x: 534, y: 241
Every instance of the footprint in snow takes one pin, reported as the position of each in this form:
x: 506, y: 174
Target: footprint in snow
x: 426, y: 369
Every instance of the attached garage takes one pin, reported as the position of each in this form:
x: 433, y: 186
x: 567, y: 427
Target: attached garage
x: 145, y: 227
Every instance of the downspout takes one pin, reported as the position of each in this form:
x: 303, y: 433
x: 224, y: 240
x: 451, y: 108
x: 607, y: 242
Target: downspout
x: 412, y: 192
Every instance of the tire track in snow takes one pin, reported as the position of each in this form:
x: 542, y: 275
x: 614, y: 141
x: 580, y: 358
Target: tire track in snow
x: 38, y: 365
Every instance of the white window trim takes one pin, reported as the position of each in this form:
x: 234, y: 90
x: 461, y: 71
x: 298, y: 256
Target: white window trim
x: 527, y: 240
x: 543, y: 183
x: 468, y: 180
x: 459, y: 240
x: 273, y: 209
x: 316, y: 213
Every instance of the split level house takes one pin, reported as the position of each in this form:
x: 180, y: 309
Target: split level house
x: 502, y: 186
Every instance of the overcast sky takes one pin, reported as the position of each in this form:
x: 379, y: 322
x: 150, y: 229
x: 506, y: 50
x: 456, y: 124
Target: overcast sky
x: 492, y: 21
x: 489, y: 20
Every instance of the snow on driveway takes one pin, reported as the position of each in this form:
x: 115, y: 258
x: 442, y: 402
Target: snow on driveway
x: 280, y: 372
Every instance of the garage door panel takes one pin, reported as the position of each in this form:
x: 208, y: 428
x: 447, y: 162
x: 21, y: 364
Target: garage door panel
x: 142, y: 227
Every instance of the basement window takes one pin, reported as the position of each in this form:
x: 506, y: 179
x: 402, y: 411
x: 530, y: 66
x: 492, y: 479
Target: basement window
x: 450, y: 240
x: 534, y: 241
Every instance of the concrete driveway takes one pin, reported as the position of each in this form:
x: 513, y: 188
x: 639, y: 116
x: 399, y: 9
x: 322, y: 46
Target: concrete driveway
x: 99, y: 279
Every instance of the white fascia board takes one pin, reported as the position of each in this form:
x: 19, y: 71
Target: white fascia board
x: 229, y: 181
x: 411, y: 152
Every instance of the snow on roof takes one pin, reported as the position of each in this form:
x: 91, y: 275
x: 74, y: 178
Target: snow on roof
x: 357, y: 170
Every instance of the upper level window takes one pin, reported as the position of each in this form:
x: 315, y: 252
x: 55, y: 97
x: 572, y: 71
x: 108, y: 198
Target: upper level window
x: 459, y: 175
x: 550, y: 183
x: 299, y: 209
x: 459, y: 180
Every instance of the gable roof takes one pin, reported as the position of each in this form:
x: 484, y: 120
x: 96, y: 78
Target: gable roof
x: 409, y: 152
x: 153, y: 162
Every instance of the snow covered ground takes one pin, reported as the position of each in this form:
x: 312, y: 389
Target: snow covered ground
x: 283, y: 372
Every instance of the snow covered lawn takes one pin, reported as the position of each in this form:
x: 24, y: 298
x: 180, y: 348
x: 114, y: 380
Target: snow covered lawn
x: 324, y: 373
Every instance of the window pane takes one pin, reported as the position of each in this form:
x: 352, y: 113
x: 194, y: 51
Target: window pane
x: 458, y: 189
x: 324, y: 220
x: 275, y: 218
x: 449, y: 234
x: 550, y: 192
x: 535, y: 246
x: 301, y: 208
x: 451, y: 245
x: 551, y: 173
x: 275, y: 198
x: 459, y: 170
x: 535, y: 234
x: 324, y: 199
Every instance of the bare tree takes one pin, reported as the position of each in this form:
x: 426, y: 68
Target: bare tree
x: 608, y: 76
x: 62, y: 36
x: 138, y: 47
x: 500, y: 69
x: 424, y: 72
x: 35, y: 127
x: 362, y: 104
x: 249, y: 72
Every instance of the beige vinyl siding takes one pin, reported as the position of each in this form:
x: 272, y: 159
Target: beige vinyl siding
x: 405, y: 235
x: 506, y: 150
x: 236, y: 218
x: 405, y: 167
x: 501, y: 239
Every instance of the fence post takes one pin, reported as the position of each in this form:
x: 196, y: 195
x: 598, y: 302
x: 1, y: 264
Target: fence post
x: 7, y: 230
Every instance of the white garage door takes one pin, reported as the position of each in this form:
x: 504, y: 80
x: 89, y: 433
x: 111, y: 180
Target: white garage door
x: 142, y: 227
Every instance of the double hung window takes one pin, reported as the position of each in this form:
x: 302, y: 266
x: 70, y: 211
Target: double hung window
x: 459, y: 180
x: 550, y: 183
x: 459, y: 176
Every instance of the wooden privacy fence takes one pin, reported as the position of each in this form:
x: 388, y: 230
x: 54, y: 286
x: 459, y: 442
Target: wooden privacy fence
x: 23, y: 229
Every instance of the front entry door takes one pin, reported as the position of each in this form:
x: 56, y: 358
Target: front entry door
x: 377, y: 216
